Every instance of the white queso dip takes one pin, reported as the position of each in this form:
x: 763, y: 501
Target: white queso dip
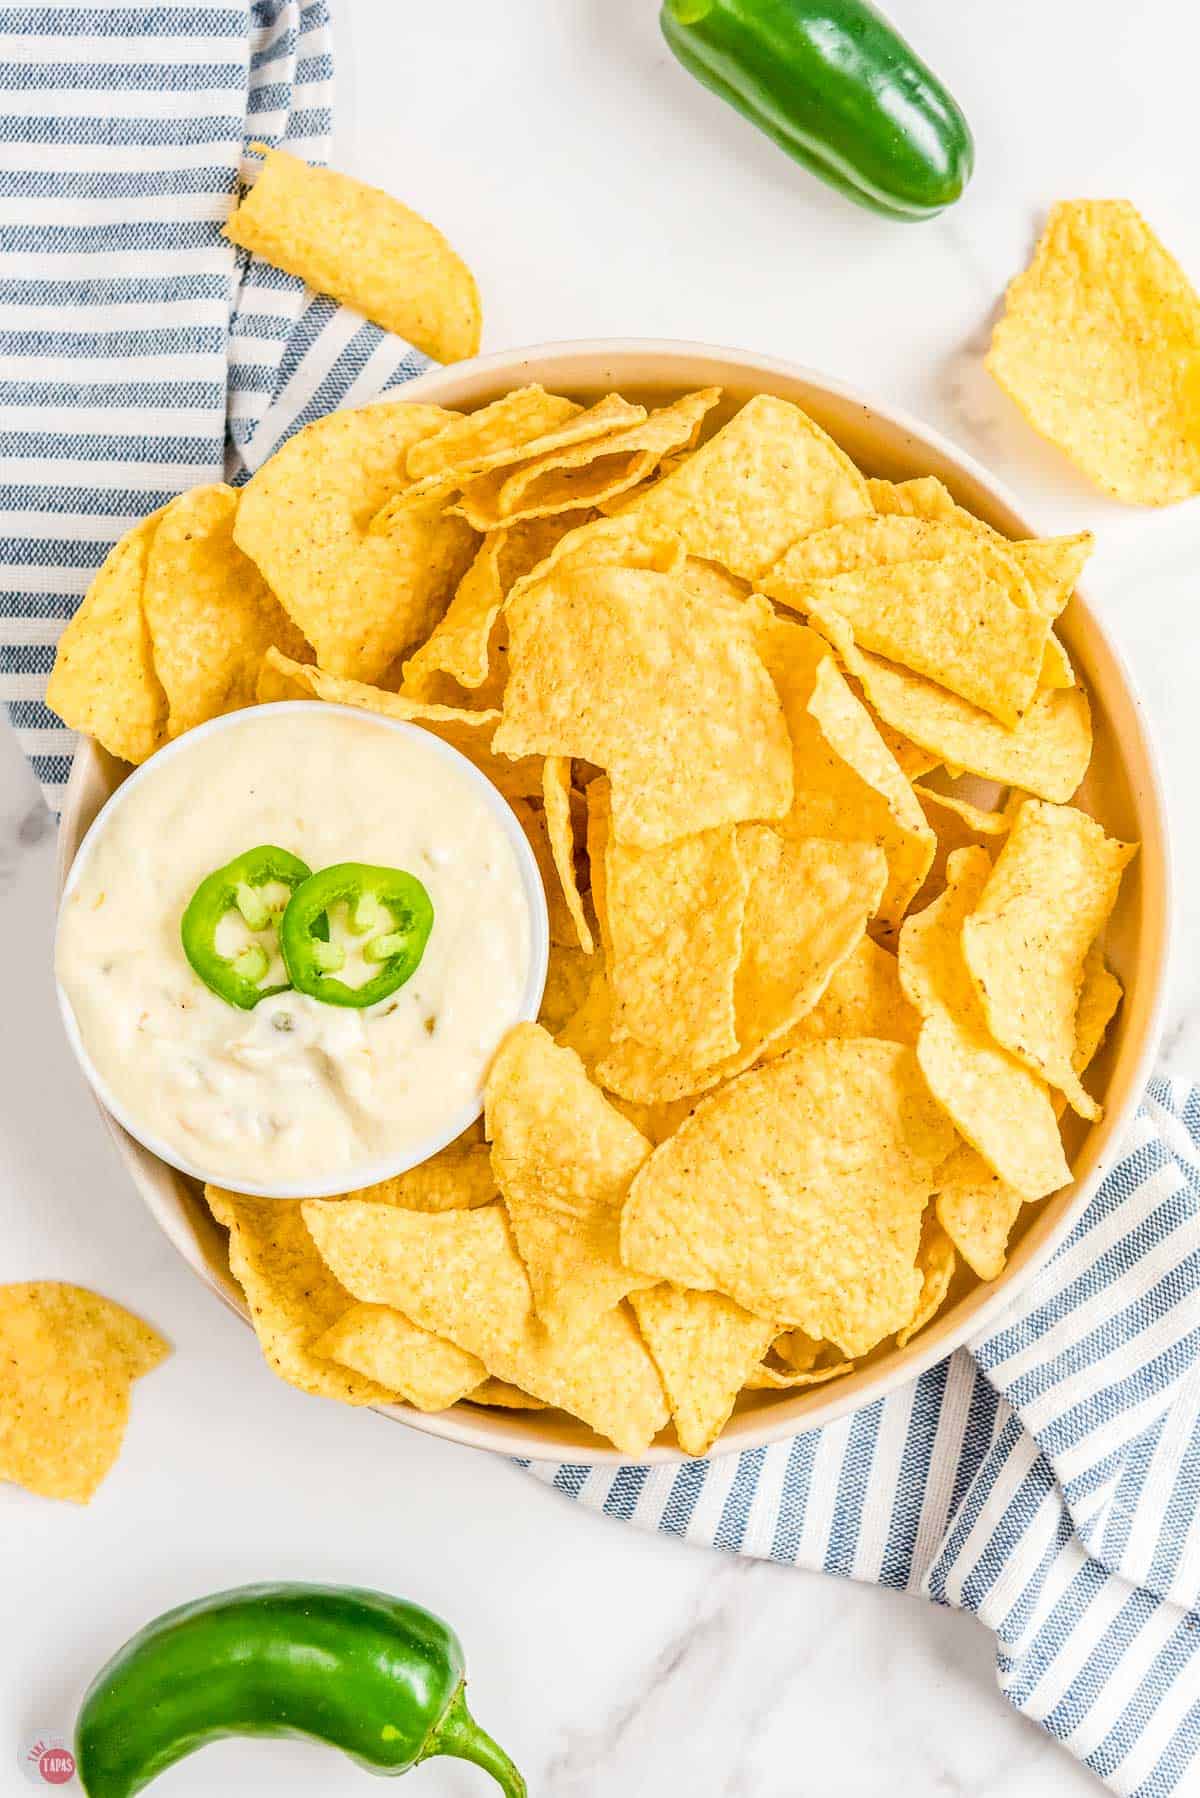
x: 297, y: 1091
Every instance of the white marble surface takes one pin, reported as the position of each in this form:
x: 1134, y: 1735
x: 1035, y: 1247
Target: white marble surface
x: 597, y: 191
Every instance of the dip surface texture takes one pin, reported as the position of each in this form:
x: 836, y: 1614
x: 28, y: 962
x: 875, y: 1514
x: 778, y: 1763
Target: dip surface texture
x: 296, y: 1090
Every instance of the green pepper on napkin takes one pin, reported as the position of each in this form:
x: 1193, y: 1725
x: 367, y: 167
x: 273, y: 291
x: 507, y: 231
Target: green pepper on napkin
x: 836, y: 88
x: 377, y: 1677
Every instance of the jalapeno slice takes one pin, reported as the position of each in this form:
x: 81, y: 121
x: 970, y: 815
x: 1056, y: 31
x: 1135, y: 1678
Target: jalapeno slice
x: 238, y: 886
x: 388, y: 906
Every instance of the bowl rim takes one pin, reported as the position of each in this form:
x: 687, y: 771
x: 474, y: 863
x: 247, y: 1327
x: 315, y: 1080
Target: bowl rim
x: 383, y: 1167
x: 799, y: 1411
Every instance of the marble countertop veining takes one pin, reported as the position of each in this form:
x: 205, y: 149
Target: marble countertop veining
x: 597, y: 191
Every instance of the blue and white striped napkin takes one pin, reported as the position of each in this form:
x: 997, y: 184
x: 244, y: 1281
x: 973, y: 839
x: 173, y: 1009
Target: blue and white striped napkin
x: 1049, y: 1479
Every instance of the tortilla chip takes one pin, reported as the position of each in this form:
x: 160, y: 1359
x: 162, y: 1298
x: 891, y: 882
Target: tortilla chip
x: 798, y: 1190
x: 967, y: 621
x: 556, y: 799
x: 982, y: 823
x: 471, y: 733
x: 210, y: 614
x: 361, y: 597
x: 806, y: 910
x: 69, y: 1358
x: 587, y: 651
x: 292, y: 1295
x: 781, y: 1379
x: 767, y: 477
x: 1047, y: 754
x: 363, y: 248
x: 675, y: 940
x: 1098, y: 1002
x: 974, y: 1206
x: 1099, y: 346
x: 568, y: 977
x: 563, y: 1159
x: 602, y: 542
x: 461, y: 643
x: 460, y: 1276
x: 507, y: 1398
x: 457, y: 1178
x: 1000, y: 1108
x: 1057, y: 671
x: 846, y: 783
x: 588, y: 473
x: 1047, y: 900
x: 469, y: 442
x: 383, y: 1345
x: 937, y: 1261
x: 864, y: 998
x: 705, y: 1347
x: 103, y: 681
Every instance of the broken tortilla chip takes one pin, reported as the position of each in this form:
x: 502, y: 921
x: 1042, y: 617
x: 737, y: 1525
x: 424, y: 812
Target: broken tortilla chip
x: 1099, y: 346
x: 705, y: 1347
x: 460, y: 1275
x: 363, y: 248
x: 385, y: 1346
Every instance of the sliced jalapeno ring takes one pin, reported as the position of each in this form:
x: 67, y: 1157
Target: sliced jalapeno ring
x: 238, y: 887
x: 388, y: 901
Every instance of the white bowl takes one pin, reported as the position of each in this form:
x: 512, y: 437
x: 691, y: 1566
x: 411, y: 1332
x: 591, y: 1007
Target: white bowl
x: 455, y: 1122
x: 1122, y: 788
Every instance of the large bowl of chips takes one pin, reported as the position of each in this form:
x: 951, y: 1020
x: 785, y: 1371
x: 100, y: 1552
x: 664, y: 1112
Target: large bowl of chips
x: 861, y: 616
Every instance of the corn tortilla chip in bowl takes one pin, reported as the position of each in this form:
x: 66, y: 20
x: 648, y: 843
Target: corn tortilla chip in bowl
x: 726, y: 1392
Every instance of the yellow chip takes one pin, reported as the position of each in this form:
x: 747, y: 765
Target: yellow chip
x: 1026, y: 943
x: 563, y: 1159
x: 864, y: 998
x: 568, y: 977
x: 457, y: 1178
x: 995, y: 1102
x: 1047, y: 754
x: 1051, y: 565
x: 967, y: 621
x: 675, y: 940
x: 977, y: 1210
x: 69, y: 1358
x: 385, y: 1346
x: 768, y: 477
x: 980, y: 822
x: 468, y: 444
x: 936, y: 1260
x: 705, y: 1347
x: 210, y: 614
x: 460, y: 1276
x: 460, y: 644
x: 1099, y: 346
x: 103, y: 680
x: 1098, y: 1002
x: 560, y: 830
x: 587, y: 654
x: 365, y: 249
x: 798, y: 1190
x: 806, y: 910
x: 292, y: 1295
x: 588, y: 473
x: 784, y: 1379
x: 505, y: 1397
x: 360, y: 596
x: 656, y: 1122
x: 471, y: 733
x: 846, y: 782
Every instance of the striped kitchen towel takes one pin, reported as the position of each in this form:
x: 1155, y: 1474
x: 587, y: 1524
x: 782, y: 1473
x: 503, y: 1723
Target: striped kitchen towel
x: 1049, y: 1480
x: 140, y: 353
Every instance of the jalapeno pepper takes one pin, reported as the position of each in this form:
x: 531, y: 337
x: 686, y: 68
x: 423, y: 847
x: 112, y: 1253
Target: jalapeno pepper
x: 838, y: 89
x: 387, y: 905
x: 377, y: 1677
x: 238, y: 887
